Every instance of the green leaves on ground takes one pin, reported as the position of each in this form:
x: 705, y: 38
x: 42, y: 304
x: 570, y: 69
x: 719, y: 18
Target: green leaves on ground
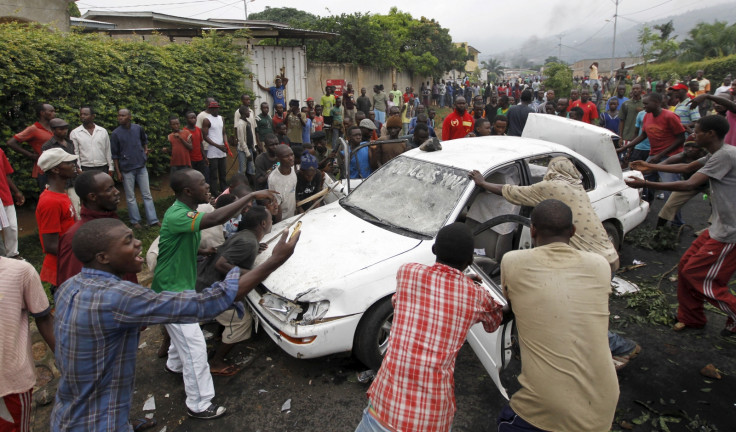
x: 651, y: 304
x: 153, y: 79
x: 663, y: 238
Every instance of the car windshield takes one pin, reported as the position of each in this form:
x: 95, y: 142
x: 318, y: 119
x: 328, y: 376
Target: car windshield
x: 409, y: 195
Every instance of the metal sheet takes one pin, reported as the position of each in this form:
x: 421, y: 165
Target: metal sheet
x: 266, y: 63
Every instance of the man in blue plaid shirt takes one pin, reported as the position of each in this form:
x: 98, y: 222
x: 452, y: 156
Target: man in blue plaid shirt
x: 98, y: 316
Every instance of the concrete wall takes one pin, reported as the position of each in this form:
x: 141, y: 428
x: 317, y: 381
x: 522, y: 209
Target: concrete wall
x: 360, y: 76
x: 52, y: 12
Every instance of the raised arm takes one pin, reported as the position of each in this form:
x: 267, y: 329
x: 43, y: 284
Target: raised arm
x: 223, y: 214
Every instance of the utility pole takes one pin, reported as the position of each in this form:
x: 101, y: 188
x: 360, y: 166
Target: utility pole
x: 613, y: 48
x: 559, y: 46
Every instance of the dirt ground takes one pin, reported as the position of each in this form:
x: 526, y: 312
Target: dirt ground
x: 661, y: 390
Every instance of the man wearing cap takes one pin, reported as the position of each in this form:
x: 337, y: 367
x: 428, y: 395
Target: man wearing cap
x: 213, y: 132
x: 688, y: 116
x: 277, y: 91
x: 458, y: 123
x: 129, y: 149
x: 92, y: 143
x: 54, y: 212
x: 36, y: 136
x: 60, y: 128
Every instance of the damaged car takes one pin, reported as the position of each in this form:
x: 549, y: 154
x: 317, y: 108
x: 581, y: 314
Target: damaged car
x: 334, y: 294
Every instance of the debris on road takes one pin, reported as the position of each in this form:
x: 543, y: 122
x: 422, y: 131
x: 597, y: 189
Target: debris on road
x: 286, y: 406
x: 711, y: 371
x: 150, y: 404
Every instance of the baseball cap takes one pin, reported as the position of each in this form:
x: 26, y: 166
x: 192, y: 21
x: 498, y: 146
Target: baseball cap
x: 309, y: 99
x: 57, y: 123
x: 213, y: 104
x: 678, y: 86
x: 368, y: 124
x: 53, y: 157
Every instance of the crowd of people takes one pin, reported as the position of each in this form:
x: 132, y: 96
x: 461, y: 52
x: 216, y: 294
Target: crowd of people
x: 287, y: 153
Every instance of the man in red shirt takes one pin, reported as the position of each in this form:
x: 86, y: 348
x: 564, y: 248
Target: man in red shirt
x: 434, y: 307
x: 458, y: 123
x: 100, y: 199
x: 590, y: 112
x: 9, y: 195
x: 197, y: 154
x: 663, y: 128
x: 36, y: 136
x: 54, y: 212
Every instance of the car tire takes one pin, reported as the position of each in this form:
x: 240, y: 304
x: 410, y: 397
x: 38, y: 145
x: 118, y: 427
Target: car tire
x: 613, y: 234
x: 371, y: 338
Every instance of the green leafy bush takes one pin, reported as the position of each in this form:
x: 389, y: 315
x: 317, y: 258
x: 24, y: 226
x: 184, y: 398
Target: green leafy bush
x: 153, y: 80
x: 714, y: 69
x: 559, y: 78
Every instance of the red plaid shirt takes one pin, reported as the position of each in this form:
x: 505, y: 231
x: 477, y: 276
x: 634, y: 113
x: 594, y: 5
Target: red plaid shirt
x: 434, y: 307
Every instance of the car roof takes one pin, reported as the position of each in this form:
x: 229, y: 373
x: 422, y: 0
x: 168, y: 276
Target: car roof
x: 484, y: 153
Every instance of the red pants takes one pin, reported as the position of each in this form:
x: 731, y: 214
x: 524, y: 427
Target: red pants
x: 15, y: 412
x: 703, y: 274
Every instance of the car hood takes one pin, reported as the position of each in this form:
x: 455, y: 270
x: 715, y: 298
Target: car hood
x: 333, y: 244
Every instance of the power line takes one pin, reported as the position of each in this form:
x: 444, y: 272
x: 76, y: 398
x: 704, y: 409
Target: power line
x: 217, y: 8
x: 649, y: 8
x: 594, y: 34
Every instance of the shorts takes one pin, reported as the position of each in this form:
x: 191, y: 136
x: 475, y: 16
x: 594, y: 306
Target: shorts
x: 236, y: 329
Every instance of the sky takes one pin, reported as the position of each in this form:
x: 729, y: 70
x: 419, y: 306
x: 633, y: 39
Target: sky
x: 498, y: 22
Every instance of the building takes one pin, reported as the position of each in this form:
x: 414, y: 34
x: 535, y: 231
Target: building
x: 471, y: 64
x: 580, y: 67
x: 52, y: 12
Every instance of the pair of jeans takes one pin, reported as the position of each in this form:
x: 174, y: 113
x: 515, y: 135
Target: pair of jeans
x: 369, y: 424
x: 218, y: 171
x: 509, y: 421
x: 245, y: 163
x: 619, y: 345
x: 139, y: 176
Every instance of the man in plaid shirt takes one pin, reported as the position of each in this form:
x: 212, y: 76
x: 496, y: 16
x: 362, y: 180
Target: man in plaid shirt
x: 434, y: 307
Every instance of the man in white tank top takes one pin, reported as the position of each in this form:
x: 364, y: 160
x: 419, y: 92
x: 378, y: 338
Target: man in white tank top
x: 213, y: 132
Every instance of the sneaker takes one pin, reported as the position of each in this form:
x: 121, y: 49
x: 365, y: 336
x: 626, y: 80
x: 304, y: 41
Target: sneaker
x: 172, y: 371
x: 210, y: 413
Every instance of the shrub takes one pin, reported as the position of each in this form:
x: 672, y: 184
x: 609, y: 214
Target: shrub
x: 70, y: 70
x: 714, y: 69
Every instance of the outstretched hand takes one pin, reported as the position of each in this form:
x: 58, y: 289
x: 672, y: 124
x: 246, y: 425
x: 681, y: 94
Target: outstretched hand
x: 284, y: 249
x: 477, y: 177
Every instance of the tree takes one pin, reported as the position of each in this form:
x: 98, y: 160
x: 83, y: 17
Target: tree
x: 709, y: 41
x: 553, y: 59
x: 660, y: 46
x: 494, y: 67
x: 286, y: 15
x: 559, y: 78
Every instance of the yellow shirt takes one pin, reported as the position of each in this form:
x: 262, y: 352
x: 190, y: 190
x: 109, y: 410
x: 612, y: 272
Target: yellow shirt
x: 559, y: 296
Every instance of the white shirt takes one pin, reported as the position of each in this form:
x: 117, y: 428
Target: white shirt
x: 722, y: 91
x: 215, y: 134
x: 93, y: 149
x: 285, y: 185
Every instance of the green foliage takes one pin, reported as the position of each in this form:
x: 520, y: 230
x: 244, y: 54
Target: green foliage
x: 152, y: 80
x: 554, y: 59
x: 396, y: 40
x: 660, y: 46
x: 494, y: 67
x: 73, y: 10
x: 652, y: 305
x: 661, y: 239
x: 709, y: 41
x: 286, y: 15
x: 714, y: 69
x: 559, y: 78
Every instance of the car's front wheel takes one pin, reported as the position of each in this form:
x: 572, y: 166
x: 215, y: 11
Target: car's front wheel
x: 371, y: 338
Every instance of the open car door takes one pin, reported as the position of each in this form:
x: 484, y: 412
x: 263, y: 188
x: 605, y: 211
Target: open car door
x: 593, y: 142
x: 495, y: 350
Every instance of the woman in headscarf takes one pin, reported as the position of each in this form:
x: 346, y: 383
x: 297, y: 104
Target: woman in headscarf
x: 562, y: 182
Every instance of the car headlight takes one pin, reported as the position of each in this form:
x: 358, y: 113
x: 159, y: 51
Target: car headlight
x: 315, y: 311
x: 294, y: 312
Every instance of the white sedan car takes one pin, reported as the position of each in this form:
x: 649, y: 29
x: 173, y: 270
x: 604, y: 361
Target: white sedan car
x: 334, y: 294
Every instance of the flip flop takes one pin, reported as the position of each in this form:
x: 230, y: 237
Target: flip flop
x: 227, y: 371
x: 143, y: 424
